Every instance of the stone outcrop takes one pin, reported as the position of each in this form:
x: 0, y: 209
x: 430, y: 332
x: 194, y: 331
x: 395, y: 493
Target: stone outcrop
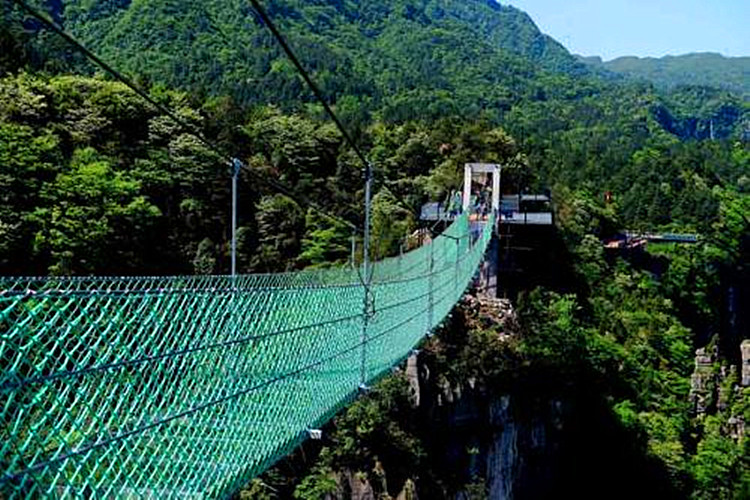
x: 521, y: 445
x: 493, y: 311
x: 412, y: 376
x: 703, y: 380
x: 736, y: 427
x: 356, y: 486
x: 409, y: 492
x: 352, y: 485
x: 503, y: 458
x: 714, y: 385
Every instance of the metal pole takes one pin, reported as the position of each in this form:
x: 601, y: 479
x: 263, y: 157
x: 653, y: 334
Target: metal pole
x: 400, y: 257
x: 368, y: 209
x: 496, y: 180
x: 458, y: 246
x: 431, y: 285
x: 367, y: 278
x: 354, y: 251
x: 236, y: 166
x: 467, y: 188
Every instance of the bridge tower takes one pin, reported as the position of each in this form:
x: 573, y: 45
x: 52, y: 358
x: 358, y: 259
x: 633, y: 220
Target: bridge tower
x: 492, y: 169
x: 488, y: 273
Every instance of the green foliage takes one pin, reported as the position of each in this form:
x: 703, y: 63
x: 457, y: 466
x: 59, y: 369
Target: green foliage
x: 707, y: 69
x: 257, y: 490
x: 370, y: 53
x: 94, y: 177
x: 665, y: 441
x: 370, y: 429
x: 472, y: 351
x: 27, y: 160
x: 483, y: 63
x: 280, y: 223
x: 92, y: 180
x: 298, y: 151
x: 390, y: 224
x: 204, y: 261
x: 627, y: 414
x: 719, y: 466
x: 627, y: 327
x: 91, y: 208
x: 396, y: 61
x: 325, y: 243
x: 315, y: 486
x: 554, y: 334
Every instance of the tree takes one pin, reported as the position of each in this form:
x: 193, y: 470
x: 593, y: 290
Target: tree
x: 91, y: 216
x: 281, y: 224
x: 391, y: 223
x: 27, y: 162
x: 326, y: 242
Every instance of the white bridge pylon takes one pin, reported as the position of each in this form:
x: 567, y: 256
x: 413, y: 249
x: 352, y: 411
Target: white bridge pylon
x: 482, y: 168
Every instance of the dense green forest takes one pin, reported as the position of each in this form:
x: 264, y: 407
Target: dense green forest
x: 715, y: 70
x: 93, y: 180
x: 470, y: 67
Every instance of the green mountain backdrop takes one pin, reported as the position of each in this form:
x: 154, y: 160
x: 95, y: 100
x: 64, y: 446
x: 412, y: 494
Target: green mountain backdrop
x: 437, y: 56
x: 393, y: 61
x: 715, y: 70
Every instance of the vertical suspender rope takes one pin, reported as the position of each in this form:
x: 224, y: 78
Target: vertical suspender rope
x: 236, y: 166
x: 455, y: 274
x: 367, y: 282
x: 431, y: 287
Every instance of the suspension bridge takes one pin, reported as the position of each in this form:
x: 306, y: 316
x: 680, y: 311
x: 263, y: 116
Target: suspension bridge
x: 190, y: 386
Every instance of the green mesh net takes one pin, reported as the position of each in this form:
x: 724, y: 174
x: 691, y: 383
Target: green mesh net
x: 190, y: 386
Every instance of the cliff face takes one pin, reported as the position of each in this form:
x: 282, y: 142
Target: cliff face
x: 522, y: 451
x: 535, y: 442
x: 526, y: 432
x: 512, y: 443
x: 716, y: 389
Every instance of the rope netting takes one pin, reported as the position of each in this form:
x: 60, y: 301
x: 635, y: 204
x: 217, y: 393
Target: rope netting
x: 190, y: 386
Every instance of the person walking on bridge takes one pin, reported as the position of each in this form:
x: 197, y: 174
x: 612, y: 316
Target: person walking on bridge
x: 455, y: 204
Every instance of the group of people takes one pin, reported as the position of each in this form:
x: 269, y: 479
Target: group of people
x: 479, y: 203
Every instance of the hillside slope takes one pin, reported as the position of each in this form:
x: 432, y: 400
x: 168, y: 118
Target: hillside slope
x: 709, y: 69
x: 438, y: 55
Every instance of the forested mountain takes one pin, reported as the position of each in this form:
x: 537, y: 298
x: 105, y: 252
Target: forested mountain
x: 708, y: 69
x: 437, y: 56
x: 393, y: 61
x: 93, y: 180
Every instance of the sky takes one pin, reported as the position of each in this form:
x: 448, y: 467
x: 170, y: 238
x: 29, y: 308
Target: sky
x: 614, y: 28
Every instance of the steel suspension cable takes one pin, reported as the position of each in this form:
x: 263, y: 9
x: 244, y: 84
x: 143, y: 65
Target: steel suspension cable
x: 310, y: 83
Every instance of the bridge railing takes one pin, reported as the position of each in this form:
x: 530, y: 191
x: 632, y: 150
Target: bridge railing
x: 190, y: 386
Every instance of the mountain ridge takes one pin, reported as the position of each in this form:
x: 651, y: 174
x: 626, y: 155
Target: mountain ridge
x: 696, y: 68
